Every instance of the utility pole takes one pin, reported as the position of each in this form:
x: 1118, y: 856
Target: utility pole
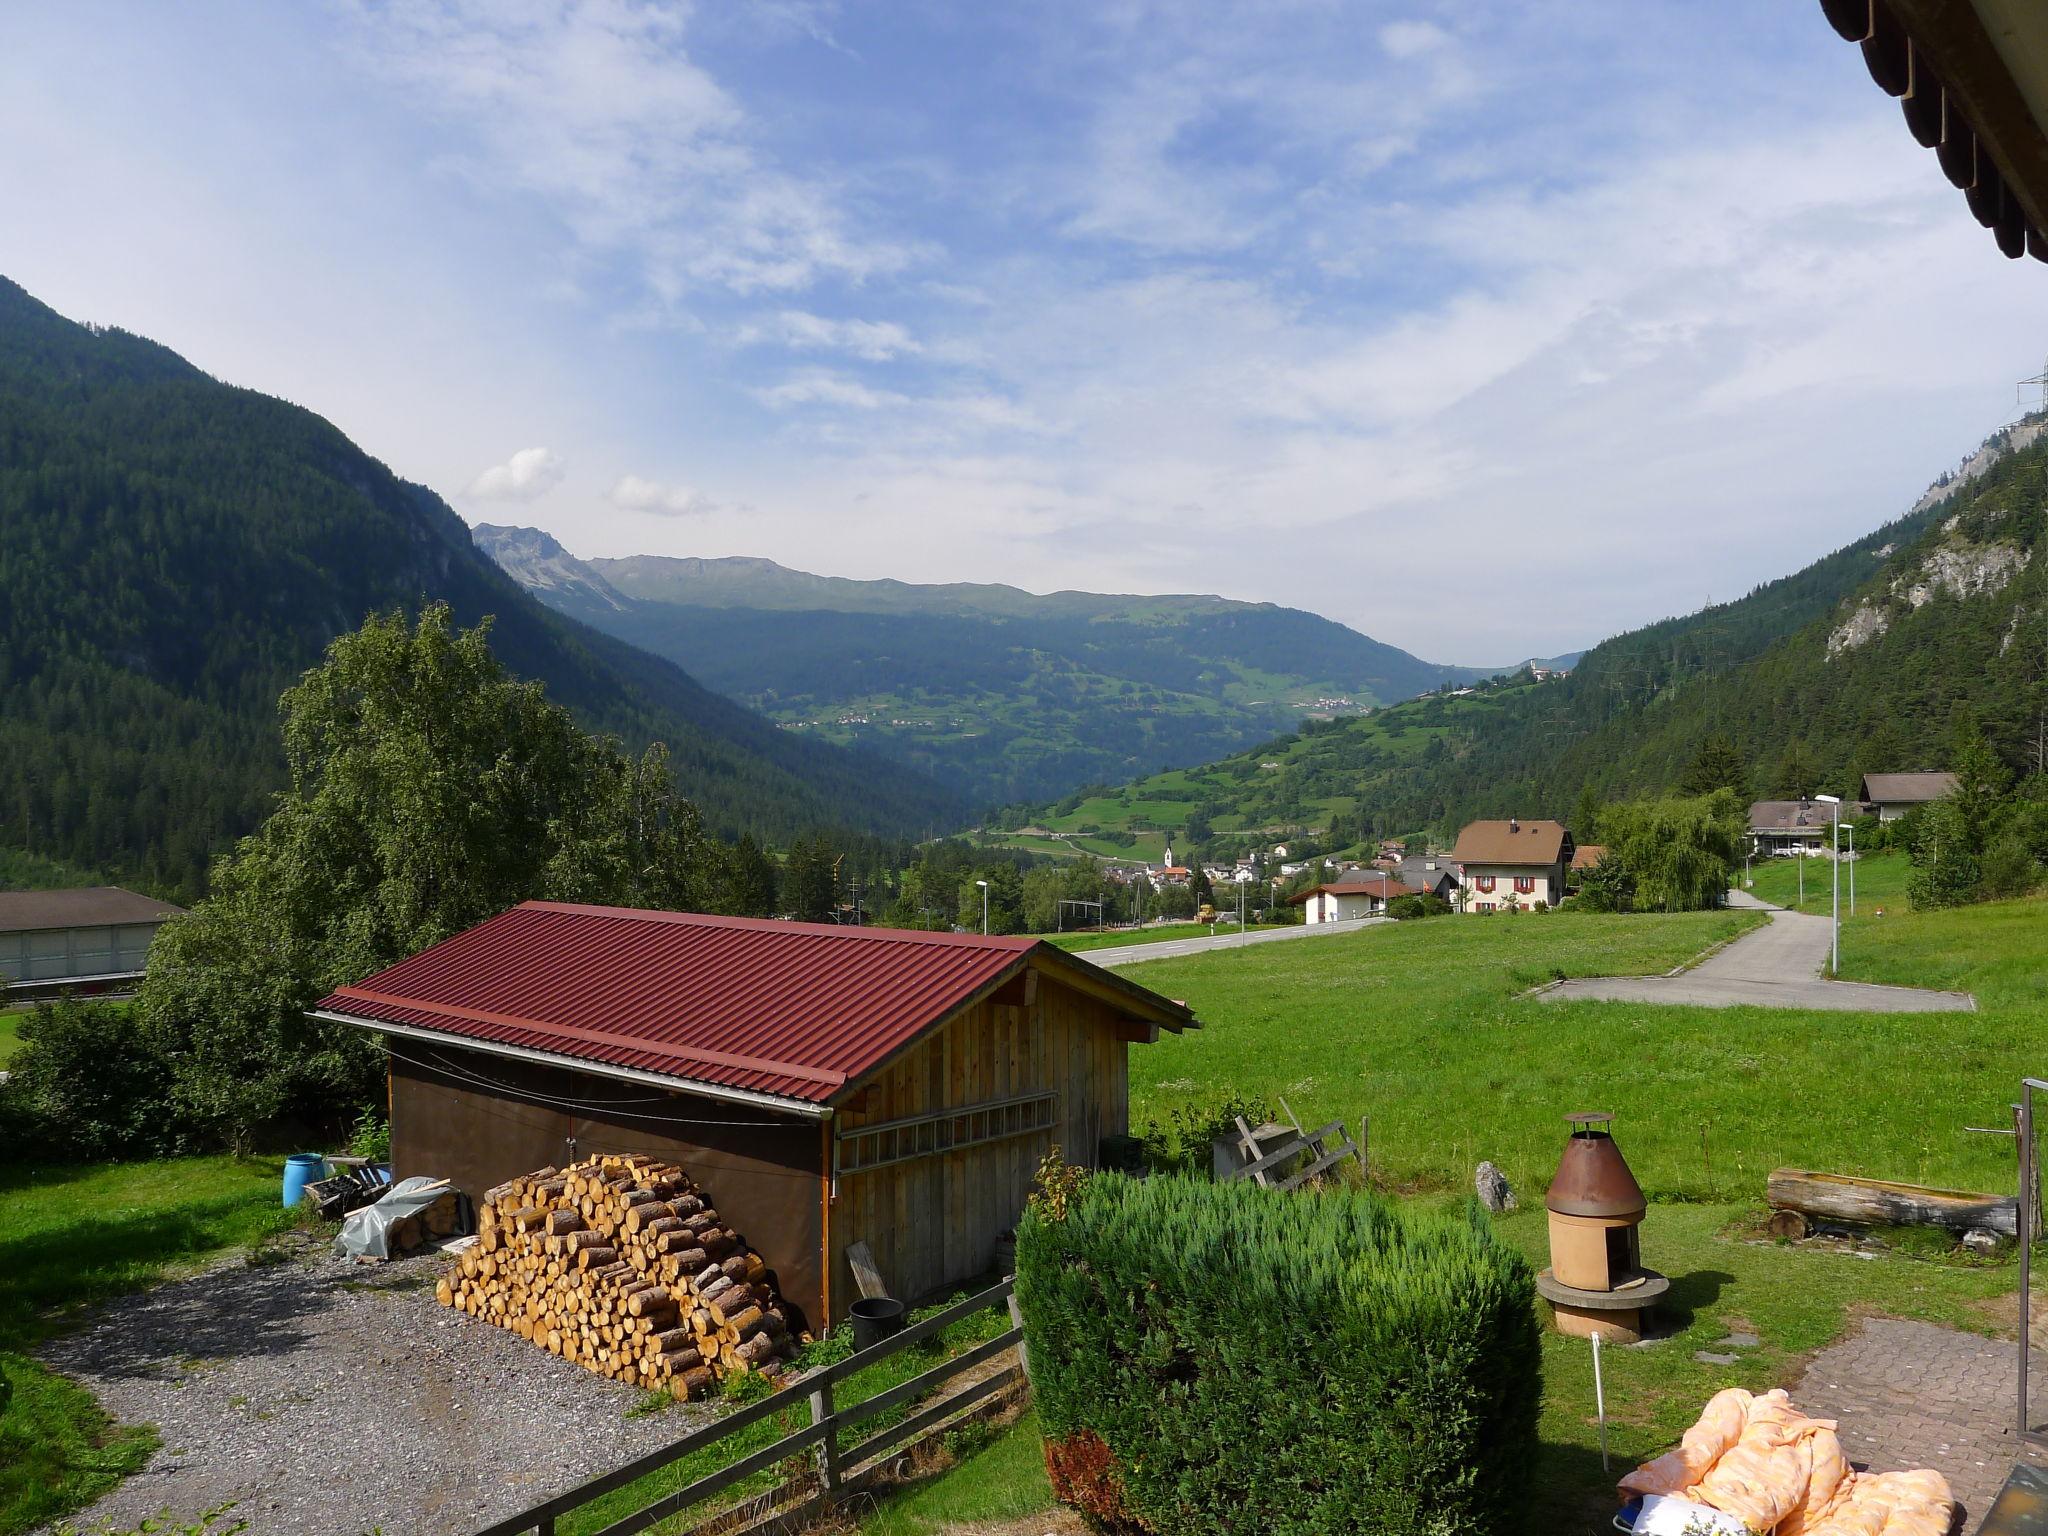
x: 1834, y: 805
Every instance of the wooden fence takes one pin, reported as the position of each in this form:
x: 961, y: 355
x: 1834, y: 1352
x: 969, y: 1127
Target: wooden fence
x: 835, y: 1465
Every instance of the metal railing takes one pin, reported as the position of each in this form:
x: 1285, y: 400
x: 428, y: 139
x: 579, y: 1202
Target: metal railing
x: 827, y: 1478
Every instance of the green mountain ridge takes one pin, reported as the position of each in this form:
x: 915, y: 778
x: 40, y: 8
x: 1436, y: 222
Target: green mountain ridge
x: 1864, y: 661
x: 1002, y: 693
x: 175, y: 551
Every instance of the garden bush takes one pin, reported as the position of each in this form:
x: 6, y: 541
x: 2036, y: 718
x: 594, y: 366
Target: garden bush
x: 1223, y: 1358
x: 87, y: 1083
x: 1404, y: 909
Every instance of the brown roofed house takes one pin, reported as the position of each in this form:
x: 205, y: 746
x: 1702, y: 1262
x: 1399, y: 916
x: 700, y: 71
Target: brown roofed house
x: 1894, y: 794
x: 1512, y: 863
x: 92, y: 939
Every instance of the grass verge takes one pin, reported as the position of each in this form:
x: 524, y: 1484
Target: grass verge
x: 1880, y: 882
x: 70, y: 1237
x: 1420, y: 1027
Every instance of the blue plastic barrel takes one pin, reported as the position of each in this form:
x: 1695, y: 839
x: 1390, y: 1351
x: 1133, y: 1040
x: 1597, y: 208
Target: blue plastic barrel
x: 301, y: 1169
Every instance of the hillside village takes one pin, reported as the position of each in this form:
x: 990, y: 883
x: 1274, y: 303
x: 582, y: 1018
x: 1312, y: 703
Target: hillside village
x: 496, y: 1040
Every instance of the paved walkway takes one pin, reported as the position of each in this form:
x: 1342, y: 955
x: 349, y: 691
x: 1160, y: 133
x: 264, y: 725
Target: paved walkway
x: 1907, y: 1395
x: 1776, y: 966
x: 1167, y: 949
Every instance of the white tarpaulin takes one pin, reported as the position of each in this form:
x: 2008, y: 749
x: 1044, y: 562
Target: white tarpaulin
x: 367, y: 1233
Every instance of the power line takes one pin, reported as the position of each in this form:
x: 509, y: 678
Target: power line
x: 581, y: 1106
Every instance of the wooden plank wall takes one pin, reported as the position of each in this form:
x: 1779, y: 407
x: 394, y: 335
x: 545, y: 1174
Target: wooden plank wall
x: 933, y: 1221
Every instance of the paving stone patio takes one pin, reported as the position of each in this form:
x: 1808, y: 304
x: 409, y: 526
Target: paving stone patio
x: 1916, y: 1395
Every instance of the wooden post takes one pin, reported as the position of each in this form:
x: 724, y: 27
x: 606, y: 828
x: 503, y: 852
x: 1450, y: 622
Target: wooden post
x: 1017, y: 1321
x: 828, y: 1448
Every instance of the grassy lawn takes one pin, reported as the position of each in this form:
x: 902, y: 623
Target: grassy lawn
x: 1002, y: 1480
x: 1418, y: 1026
x: 1120, y: 937
x: 73, y: 1236
x: 1880, y: 882
x: 10, y: 1035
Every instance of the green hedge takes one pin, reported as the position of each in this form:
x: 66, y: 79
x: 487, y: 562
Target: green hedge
x: 1224, y: 1358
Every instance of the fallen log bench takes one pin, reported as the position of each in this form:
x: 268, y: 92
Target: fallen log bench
x: 1798, y: 1197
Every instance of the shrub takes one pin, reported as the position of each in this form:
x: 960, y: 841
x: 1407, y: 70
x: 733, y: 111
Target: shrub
x: 1302, y: 1364
x: 1407, y: 908
x: 370, y: 1137
x: 2007, y: 869
x: 87, y: 1083
x: 1181, y: 1144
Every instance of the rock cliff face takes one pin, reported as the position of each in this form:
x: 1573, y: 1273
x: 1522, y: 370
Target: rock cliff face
x: 1974, y: 554
x: 1960, y: 569
x: 1995, y: 447
x: 538, y: 563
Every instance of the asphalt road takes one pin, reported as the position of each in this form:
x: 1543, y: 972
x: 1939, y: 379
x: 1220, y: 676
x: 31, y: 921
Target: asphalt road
x: 1776, y: 966
x: 1167, y: 949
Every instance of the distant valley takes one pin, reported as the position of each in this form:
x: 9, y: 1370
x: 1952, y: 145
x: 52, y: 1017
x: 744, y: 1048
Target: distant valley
x: 1003, y: 695
x: 1866, y: 661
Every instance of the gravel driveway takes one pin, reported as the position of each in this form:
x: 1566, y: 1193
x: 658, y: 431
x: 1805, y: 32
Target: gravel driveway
x: 330, y: 1398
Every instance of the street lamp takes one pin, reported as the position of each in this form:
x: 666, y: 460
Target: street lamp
x: 984, y: 907
x: 1834, y: 805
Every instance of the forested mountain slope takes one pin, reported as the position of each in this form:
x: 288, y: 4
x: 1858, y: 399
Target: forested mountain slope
x: 175, y: 551
x: 1003, y: 693
x: 1863, y: 661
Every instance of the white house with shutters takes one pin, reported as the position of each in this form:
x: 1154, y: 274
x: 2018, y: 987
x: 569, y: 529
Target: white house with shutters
x: 1512, y: 863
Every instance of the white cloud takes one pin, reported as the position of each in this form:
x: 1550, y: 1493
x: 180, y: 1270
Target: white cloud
x: 598, y: 114
x: 527, y: 476
x: 633, y: 494
x: 874, y: 341
x: 820, y: 387
x: 1408, y: 39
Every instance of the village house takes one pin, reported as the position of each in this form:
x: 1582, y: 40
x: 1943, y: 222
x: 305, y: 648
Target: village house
x: 1350, y: 898
x: 828, y: 1085
x: 1584, y: 857
x: 1512, y: 863
x: 1783, y: 827
x: 1892, y: 795
x: 1430, y: 872
x: 94, y: 939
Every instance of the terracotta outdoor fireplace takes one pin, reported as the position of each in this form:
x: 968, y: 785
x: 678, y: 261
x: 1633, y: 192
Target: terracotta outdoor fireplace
x: 1596, y: 1282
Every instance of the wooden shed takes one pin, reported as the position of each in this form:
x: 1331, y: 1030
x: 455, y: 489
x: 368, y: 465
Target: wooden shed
x: 827, y: 1085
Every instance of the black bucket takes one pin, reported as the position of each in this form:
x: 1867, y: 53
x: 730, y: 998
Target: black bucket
x: 876, y: 1318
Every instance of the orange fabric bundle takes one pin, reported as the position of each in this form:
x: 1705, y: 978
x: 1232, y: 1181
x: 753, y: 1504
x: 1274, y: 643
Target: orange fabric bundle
x: 1765, y: 1476
x: 1763, y: 1461
x: 1718, y: 1427
x: 1890, y: 1504
x: 1826, y: 1484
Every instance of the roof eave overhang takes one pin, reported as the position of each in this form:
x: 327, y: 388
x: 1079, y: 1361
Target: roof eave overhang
x: 1942, y: 59
x: 684, y: 1085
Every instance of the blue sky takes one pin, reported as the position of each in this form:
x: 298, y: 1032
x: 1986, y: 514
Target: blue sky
x: 1489, y: 328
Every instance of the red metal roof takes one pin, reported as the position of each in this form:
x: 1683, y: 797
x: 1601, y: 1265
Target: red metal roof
x: 796, y: 1010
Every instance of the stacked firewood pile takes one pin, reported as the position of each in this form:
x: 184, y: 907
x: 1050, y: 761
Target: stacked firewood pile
x: 621, y: 1264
